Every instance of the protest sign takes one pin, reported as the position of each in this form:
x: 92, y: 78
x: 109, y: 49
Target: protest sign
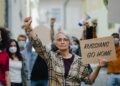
x: 92, y: 49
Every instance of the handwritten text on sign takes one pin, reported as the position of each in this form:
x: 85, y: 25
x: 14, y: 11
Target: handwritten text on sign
x: 93, y: 49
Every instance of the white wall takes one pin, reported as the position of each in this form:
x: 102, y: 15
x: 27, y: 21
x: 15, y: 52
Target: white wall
x: 17, y: 12
x: 2, y: 12
x: 70, y: 16
x: 46, y: 6
x: 114, y: 11
x: 75, y: 12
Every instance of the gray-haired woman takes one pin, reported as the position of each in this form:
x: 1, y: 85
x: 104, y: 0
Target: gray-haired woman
x: 65, y: 69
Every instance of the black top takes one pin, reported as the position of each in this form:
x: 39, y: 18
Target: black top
x: 40, y: 70
x: 67, y: 64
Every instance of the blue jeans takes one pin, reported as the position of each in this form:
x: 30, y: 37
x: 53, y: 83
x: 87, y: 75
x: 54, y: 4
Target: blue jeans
x: 113, y: 80
x: 39, y: 82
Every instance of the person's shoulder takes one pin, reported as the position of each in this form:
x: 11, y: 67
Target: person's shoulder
x: 4, y: 52
x: 117, y: 47
x: 77, y: 56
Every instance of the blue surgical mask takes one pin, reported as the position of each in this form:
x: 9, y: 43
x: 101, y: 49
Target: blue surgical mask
x: 13, y: 49
x: 22, y: 44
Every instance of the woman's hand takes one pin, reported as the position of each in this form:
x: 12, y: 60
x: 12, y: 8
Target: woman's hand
x: 102, y: 62
x: 27, y: 24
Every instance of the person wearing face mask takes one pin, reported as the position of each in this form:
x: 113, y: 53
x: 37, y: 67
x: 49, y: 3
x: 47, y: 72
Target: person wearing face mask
x: 75, y: 46
x: 113, y: 68
x: 22, y: 41
x: 36, y: 76
x: 27, y: 53
x: 22, y: 45
x: 4, y: 58
x: 18, y: 70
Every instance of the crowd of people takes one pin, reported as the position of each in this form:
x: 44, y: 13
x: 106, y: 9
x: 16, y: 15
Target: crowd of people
x: 59, y: 66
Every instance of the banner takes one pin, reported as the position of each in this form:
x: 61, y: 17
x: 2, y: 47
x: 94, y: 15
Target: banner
x: 92, y: 49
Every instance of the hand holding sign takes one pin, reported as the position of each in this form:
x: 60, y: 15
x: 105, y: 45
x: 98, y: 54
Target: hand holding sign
x: 102, y: 62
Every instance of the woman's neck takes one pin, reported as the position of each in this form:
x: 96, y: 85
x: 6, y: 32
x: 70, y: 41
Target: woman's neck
x: 14, y: 56
x: 66, y: 54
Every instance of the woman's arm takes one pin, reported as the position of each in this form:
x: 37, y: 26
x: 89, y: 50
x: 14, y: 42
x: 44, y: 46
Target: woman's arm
x: 7, y: 78
x: 36, y: 42
x: 94, y: 74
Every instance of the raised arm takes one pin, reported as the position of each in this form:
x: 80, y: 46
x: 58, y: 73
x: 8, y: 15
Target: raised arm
x: 36, y: 42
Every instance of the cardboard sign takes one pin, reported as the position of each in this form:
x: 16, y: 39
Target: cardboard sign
x: 92, y: 49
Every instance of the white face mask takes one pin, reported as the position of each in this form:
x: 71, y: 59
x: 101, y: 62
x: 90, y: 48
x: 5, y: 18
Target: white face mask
x: 74, y: 47
x: 13, y: 49
x: 22, y: 44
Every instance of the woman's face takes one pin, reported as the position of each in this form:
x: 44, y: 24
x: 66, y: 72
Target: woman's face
x: 62, y: 42
x: 13, y: 48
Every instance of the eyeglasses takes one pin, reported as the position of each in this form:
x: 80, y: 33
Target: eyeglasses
x: 62, y: 39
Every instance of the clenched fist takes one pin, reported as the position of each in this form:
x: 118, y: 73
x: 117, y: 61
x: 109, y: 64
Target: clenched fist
x: 27, y: 24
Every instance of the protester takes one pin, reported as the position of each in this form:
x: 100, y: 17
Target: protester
x: 36, y: 76
x: 65, y: 69
x: 89, y: 32
x: 27, y: 53
x: 18, y: 70
x: 4, y: 58
x: 39, y: 74
x: 114, y: 66
x: 75, y: 46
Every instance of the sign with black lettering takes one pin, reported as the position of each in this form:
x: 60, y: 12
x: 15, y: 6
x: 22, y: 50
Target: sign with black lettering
x: 92, y: 49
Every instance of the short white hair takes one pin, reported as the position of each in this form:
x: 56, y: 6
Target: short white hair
x: 66, y: 35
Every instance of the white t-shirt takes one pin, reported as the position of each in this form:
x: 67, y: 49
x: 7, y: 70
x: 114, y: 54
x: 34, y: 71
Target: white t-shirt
x: 15, y: 71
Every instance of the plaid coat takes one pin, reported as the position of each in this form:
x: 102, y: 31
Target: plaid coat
x: 77, y: 73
